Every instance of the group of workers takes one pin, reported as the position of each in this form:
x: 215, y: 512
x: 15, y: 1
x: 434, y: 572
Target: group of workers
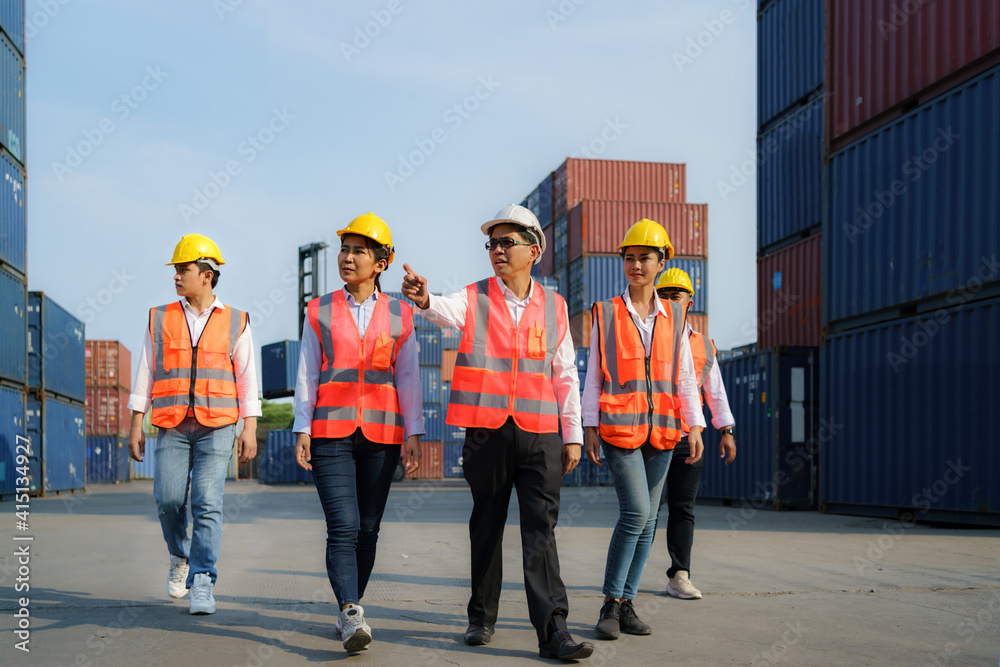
x: 515, y: 386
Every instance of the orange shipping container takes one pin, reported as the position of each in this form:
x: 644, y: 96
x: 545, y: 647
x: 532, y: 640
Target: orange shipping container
x: 448, y: 358
x: 578, y: 179
x: 431, y: 461
x: 597, y: 226
x: 108, y: 364
x: 107, y: 411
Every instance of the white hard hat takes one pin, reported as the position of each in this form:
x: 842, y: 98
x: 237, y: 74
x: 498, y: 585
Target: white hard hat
x: 518, y: 215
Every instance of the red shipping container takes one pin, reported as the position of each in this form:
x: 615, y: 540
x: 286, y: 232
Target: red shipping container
x: 789, y: 301
x: 885, y: 57
x: 545, y: 266
x: 598, y: 226
x: 431, y: 461
x: 578, y: 179
x: 448, y: 358
x: 107, y: 411
x: 699, y: 322
x: 108, y: 364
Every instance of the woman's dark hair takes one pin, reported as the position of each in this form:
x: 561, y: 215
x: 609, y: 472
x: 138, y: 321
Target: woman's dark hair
x: 379, y: 251
x: 659, y: 252
x: 203, y: 267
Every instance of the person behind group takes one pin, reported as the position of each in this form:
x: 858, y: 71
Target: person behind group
x: 514, y: 377
x: 683, y: 478
x: 196, y: 372
x: 357, y: 401
x: 640, y: 381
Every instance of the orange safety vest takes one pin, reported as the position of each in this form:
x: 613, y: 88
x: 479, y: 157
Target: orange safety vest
x: 639, y: 395
x: 704, y: 352
x: 357, y: 385
x: 503, y: 370
x: 204, y: 380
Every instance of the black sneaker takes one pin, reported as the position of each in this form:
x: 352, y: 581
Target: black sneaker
x: 608, y: 624
x: 630, y: 623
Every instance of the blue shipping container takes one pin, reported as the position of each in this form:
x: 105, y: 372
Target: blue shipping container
x: 594, y: 278
x: 107, y: 459
x: 453, y: 461
x: 913, y: 207
x: 790, y: 55
x: 59, y: 428
x: 429, y: 342
x: 279, y: 466
x: 144, y: 469
x: 774, y: 398
x: 13, y: 228
x: 13, y: 433
x: 582, y: 356
x: 433, y: 422
x: 13, y: 328
x: 430, y: 384
x: 279, y: 368
x: 560, y: 244
x: 539, y: 202
x: 56, y: 349
x: 790, y: 176
x: 450, y: 338
x: 12, y: 22
x: 909, y: 417
x: 548, y: 282
x: 12, y: 108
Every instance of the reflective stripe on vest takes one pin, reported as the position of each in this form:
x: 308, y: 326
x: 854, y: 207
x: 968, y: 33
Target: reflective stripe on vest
x: 703, y: 353
x: 357, y: 386
x: 505, y: 371
x: 637, y: 404
x: 206, y: 381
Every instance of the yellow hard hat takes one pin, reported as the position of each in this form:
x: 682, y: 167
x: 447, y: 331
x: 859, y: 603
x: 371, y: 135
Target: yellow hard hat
x: 373, y: 227
x: 648, y: 233
x: 675, y: 277
x: 193, y: 247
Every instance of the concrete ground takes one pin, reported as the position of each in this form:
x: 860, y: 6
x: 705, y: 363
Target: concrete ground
x: 795, y: 588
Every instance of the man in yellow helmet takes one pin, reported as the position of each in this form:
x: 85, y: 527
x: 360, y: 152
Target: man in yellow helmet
x: 683, y: 478
x: 196, y: 374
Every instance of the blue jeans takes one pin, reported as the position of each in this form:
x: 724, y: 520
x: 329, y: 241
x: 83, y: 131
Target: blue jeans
x: 638, y: 475
x: 352, y: 477
x: 193, y: 453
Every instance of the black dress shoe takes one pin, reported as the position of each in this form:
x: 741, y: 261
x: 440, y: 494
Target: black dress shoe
x: 477, y: 635
x: 562, y: 646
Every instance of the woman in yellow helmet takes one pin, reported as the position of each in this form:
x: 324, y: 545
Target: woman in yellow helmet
x: 640, y: 381
x: 357, y: 402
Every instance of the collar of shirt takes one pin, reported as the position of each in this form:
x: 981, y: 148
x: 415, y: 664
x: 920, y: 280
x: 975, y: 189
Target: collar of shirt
x: 510, y: 296
x: 215, y: 304
x: 350, y: 297
x: 631, y: 308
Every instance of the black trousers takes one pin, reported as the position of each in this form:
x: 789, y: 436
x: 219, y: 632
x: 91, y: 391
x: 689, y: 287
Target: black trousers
x: 495, y: 462
x: 679, y: 494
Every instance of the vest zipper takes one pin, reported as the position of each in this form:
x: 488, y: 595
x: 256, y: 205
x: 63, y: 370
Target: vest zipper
x: 194, y: 360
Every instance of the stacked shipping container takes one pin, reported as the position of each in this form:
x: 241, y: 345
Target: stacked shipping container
x: 107, y: 369
x: 910, y: 255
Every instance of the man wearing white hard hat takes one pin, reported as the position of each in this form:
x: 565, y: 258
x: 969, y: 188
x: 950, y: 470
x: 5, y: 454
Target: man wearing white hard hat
x: 515, y: 381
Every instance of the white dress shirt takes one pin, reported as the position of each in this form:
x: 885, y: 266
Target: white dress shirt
x: 687, y: 383
x: 243, y: 364
x: 449, y: 311
x: 715, y: 393
x: 405, y: 372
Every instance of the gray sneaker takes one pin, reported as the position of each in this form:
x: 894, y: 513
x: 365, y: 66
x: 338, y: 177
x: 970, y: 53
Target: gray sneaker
x: 177, y: 577
x: 202, y: 599
x: 353, y: 629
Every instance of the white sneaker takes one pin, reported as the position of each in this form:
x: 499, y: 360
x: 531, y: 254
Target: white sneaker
x: 202, y: 600
x: 353, y: 629
x: 177, y: 578
x: 680, y: 586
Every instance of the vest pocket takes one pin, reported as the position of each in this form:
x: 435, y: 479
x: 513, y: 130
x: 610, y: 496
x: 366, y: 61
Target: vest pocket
x: 536, y: 343
x: 618, y: 418
x: 382, y: 353
x: 170, y: 387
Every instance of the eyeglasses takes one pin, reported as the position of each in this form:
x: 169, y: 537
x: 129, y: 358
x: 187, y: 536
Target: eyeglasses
x: 506, y: 243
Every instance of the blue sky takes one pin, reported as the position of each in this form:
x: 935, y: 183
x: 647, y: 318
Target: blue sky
x: 267, y: 125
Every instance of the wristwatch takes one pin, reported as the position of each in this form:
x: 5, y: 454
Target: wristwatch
x: 727, y: 431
